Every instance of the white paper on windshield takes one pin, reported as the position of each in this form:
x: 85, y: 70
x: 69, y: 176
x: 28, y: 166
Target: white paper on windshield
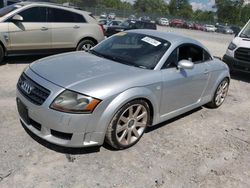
x: 151, y: 41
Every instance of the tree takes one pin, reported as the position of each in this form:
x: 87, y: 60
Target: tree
x: 245, y: 14
x: 180, y: 8
x: 229, y: 11
x: 151, y: 6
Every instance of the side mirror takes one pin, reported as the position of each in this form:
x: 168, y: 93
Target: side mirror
x: 17, y: 18
x: 185, y: 64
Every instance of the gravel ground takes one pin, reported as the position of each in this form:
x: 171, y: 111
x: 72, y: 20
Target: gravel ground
x: 204, y: 148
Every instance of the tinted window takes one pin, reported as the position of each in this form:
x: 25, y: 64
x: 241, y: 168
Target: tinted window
x: 35, y: 14
x: 191, y: 53
x: 172, y: 60
x: 59, y: 15
x: 188, y: 52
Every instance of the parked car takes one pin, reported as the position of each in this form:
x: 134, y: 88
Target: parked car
x: 38, y: 28
x: 103, y: 15
x: 238, y: 53
x: 107, y: 23
x: 197, y: 26
x: 145, y: 19
x: 162, y: 21
x: 224, y: 29
x: 111, y: 16
x: 130, y: 24
x: 209, y: 28
x: 188, y: 25
x: 132, y: 17
x: 236, y: 29
x: 177, y: 23
x: 131, y: 81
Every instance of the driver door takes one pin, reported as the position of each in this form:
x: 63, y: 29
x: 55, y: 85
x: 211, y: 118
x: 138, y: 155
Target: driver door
x: 183, y: 87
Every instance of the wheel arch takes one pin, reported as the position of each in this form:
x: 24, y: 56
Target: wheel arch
x: 87, y: 38
x: 119, y: 101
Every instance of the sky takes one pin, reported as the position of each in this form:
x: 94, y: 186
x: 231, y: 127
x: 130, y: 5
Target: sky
x: 196, y: 4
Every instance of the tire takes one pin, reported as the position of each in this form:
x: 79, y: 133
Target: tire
x: 220, y: 94
x: 128, y: 125
x: 1, y: 55
x: 85, y: 45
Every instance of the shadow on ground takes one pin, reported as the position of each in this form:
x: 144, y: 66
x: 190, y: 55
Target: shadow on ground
x: 245, y: 77
x: 22, y: 59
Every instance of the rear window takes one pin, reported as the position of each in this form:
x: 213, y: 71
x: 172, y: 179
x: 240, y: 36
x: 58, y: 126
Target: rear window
x: 6, y: 10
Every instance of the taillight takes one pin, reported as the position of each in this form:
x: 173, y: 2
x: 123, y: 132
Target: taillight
x: 102, y: 28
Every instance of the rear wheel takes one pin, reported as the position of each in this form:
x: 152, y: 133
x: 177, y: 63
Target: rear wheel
x: 220, y: 94
x: 85, y: 45
x: 1, y: 55
x: 128, y: 125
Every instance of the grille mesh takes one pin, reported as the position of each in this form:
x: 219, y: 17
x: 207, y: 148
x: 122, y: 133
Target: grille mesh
x: 31, y: 90
x: 243, y: 54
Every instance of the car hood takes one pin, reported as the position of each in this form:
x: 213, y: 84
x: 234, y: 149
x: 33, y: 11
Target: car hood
x: 91, y: 75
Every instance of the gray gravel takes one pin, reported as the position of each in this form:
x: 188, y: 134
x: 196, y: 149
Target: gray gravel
x: 204, y: 148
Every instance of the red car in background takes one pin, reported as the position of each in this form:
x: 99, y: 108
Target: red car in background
x: 177, y: 23
x: 197, y: 26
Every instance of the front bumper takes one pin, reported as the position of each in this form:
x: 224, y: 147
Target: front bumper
x: 237, y: 65
x: 64, y: 129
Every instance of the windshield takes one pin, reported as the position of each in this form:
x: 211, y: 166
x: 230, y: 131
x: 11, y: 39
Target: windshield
x: 246, y: 32
x: 4, y: 11
x: 133, y: 49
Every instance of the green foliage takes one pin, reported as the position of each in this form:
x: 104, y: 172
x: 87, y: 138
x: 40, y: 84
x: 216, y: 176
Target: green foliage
x: 229, y: 11
x: 204, y: 16
x: 245, y: 14
x: 151, y: 6
x: 180, y: 8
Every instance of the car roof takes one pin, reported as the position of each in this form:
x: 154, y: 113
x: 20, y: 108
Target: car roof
x: 168, y: 36
x: 71, y: 8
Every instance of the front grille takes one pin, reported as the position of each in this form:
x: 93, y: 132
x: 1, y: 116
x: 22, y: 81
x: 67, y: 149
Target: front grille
x: 243, y: 54
x: 61, y: 135
x: 31, y: 90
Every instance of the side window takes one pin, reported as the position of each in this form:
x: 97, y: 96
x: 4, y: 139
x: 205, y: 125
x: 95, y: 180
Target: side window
x: 35, y: 14
x: 64, y: 16
x: 191, y: 53
x: 172, y: 60
x: 206, y: 56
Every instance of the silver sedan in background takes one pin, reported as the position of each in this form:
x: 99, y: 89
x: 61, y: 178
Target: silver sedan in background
x: 128, y: 82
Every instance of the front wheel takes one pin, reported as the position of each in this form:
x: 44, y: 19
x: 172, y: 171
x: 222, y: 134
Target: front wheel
x: 128, y: 125
x: 220, y: 94
x: 85, y: 45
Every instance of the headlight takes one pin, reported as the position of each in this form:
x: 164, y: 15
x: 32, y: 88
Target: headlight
x: 232, y: 46
x: 73, y: 102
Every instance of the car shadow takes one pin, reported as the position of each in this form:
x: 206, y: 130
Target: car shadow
x: 22, y: 59
x: 241, y: 76
x: 165, y: 123
x: 61, y: 149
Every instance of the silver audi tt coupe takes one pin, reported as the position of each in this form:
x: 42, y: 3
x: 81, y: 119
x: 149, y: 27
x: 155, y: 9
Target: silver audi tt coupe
x: 112, y: 93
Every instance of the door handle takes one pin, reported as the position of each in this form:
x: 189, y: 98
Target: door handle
x: 76, y: 27
x: 44, y: 29
x: 206, y: 71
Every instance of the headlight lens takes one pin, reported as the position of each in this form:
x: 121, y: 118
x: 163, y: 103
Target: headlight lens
x: 232, y: 46
x: 73, y: 102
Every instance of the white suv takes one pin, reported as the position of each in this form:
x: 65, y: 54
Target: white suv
x: 43, y: 28
x: 238, y: 53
